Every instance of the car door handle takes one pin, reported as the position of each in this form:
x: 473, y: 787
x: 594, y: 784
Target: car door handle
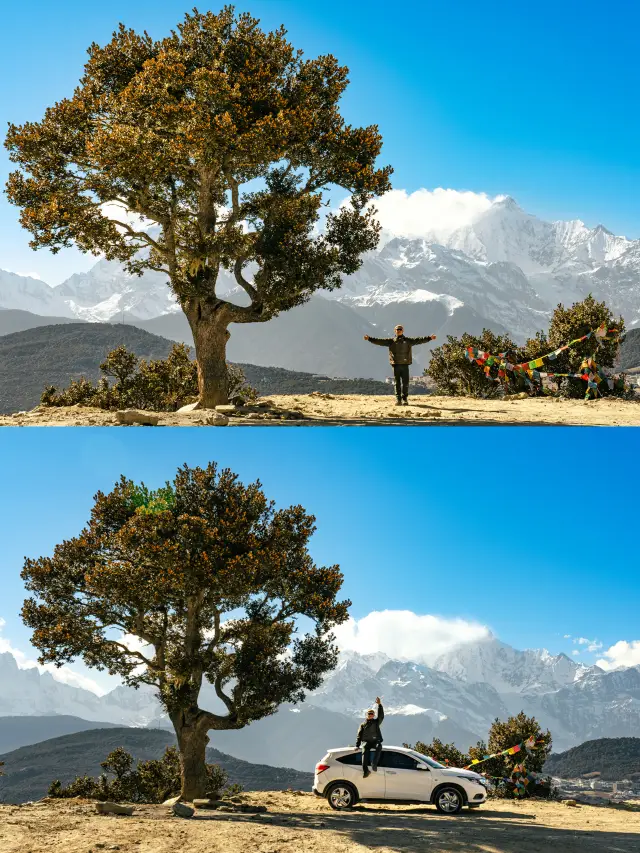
x: 390, y: 772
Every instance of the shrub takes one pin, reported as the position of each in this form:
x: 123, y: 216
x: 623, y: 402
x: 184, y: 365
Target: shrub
x: 162, y: 385
x: 445, y: 753
x: 455, y: 375
x: 503, y: 769
x: 150, y: 781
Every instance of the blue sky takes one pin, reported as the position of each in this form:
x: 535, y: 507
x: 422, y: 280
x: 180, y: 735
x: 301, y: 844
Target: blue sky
x: 532, y: 100
x: 529, y: 532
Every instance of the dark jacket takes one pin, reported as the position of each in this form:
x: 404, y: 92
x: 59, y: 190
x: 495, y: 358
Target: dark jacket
x: 399, y: 347
x: 369, y: 731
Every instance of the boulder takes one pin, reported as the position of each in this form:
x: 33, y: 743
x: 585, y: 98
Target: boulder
x: 182, y: 810
x: 226, y: 410
x: 137, y: 416
x: 216, y: 419
x: 113, y: 808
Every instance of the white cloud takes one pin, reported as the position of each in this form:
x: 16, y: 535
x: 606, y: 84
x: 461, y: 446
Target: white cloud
x: 592, y: 645
x: 407, y: 635
x: 567, y: 636
x: 433, y: 214
x: 621, y: 653
x: 575, y: 652
x: 64, y: 673
x: 120, y: 213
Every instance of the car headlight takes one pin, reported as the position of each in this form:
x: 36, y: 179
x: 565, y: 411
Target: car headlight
x: 479, y: 781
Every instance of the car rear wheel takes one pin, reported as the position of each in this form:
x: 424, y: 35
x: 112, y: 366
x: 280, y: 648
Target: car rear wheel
x: 341, y: 796
x: 449, y: 800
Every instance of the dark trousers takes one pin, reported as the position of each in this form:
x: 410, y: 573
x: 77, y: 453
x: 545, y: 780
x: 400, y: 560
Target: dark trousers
x: 366, y: 754
x: 401, y: 373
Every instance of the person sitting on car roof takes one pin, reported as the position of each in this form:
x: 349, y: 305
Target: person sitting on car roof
x: 370, y: 738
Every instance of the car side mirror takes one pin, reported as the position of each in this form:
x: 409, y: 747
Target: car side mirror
x: 422, y: 767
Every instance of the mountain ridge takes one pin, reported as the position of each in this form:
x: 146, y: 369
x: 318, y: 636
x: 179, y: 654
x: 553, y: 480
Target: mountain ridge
x: 506, y: 264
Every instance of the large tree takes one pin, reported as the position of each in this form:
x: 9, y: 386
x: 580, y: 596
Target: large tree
x: 226, y: 138
x: 202, y: 579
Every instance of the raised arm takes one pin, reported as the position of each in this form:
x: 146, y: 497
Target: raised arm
x: 379, y: 342
x: 380, y: 715
x: 416, y: 341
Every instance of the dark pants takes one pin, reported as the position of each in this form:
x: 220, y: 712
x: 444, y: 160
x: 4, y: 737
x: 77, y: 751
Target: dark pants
x: 376, y: 746
x: 401, y: 373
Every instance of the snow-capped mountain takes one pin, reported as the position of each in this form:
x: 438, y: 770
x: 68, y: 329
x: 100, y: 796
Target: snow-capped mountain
x: 31, y: 294
x: 506, y: 269
x: 508, y: 670
x: 457, y: 697
x: 107, y: 290
x: 408, y: 688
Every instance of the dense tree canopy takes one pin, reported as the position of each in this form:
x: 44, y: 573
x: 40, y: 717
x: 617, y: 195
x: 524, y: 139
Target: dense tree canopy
x: 201, y: 580
x: 226, y: 138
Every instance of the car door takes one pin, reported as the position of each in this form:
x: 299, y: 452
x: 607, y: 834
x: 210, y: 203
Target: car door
x: 403, y: 779
x: 371, y: 788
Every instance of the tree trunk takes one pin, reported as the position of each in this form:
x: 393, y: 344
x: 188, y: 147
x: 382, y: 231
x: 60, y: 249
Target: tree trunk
x: 210, y: 335
x: 192, y: 742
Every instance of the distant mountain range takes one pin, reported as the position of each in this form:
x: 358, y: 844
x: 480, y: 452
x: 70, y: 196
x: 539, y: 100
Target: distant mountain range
x: 29, y: 770
x: 614, y: 759
x: 506, y: 270
x: 455, y: 699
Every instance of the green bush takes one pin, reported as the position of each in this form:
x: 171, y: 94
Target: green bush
x: 455, y: 375
x: 163, y: 385
x: 503, y: 735
x: 445, y: 753
x: 151, y: 781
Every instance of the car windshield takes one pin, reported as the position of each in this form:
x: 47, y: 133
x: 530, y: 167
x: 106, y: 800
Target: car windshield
x: 426, y: 760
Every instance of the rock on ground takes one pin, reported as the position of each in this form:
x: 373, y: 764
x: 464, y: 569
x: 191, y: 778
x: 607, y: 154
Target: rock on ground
x: 137, y: 416
x: 182, y: 810
x: 113, y: 808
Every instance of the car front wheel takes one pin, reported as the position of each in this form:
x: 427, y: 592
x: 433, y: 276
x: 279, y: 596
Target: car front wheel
x: 341, y: 796
x: 449, y: 800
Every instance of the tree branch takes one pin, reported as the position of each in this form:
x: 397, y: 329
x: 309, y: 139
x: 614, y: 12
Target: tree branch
x: 249, y: 289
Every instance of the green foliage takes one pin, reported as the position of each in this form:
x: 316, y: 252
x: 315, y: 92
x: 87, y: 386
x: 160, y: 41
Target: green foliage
x: 151, y: 781
x: 456, y: 376
x: 566, y: 325
x: 179, y: 131
x: 614, y: 758
x: 162, y: 385
x: 505, y: 734
x: 445, y: 753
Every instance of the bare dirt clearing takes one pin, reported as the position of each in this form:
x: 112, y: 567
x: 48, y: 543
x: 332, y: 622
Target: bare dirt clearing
x: 305, y: 823
x: 358, y: 410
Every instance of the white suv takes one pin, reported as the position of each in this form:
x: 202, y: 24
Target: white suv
x: 403, y: 776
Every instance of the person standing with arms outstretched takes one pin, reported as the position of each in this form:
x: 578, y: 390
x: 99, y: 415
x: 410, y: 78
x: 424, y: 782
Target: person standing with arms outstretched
x: 370, y: 737
x: 400, y: 357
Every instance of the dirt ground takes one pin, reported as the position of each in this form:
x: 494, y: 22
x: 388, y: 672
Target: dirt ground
x: 305, y: 823
x: 358, y: 410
